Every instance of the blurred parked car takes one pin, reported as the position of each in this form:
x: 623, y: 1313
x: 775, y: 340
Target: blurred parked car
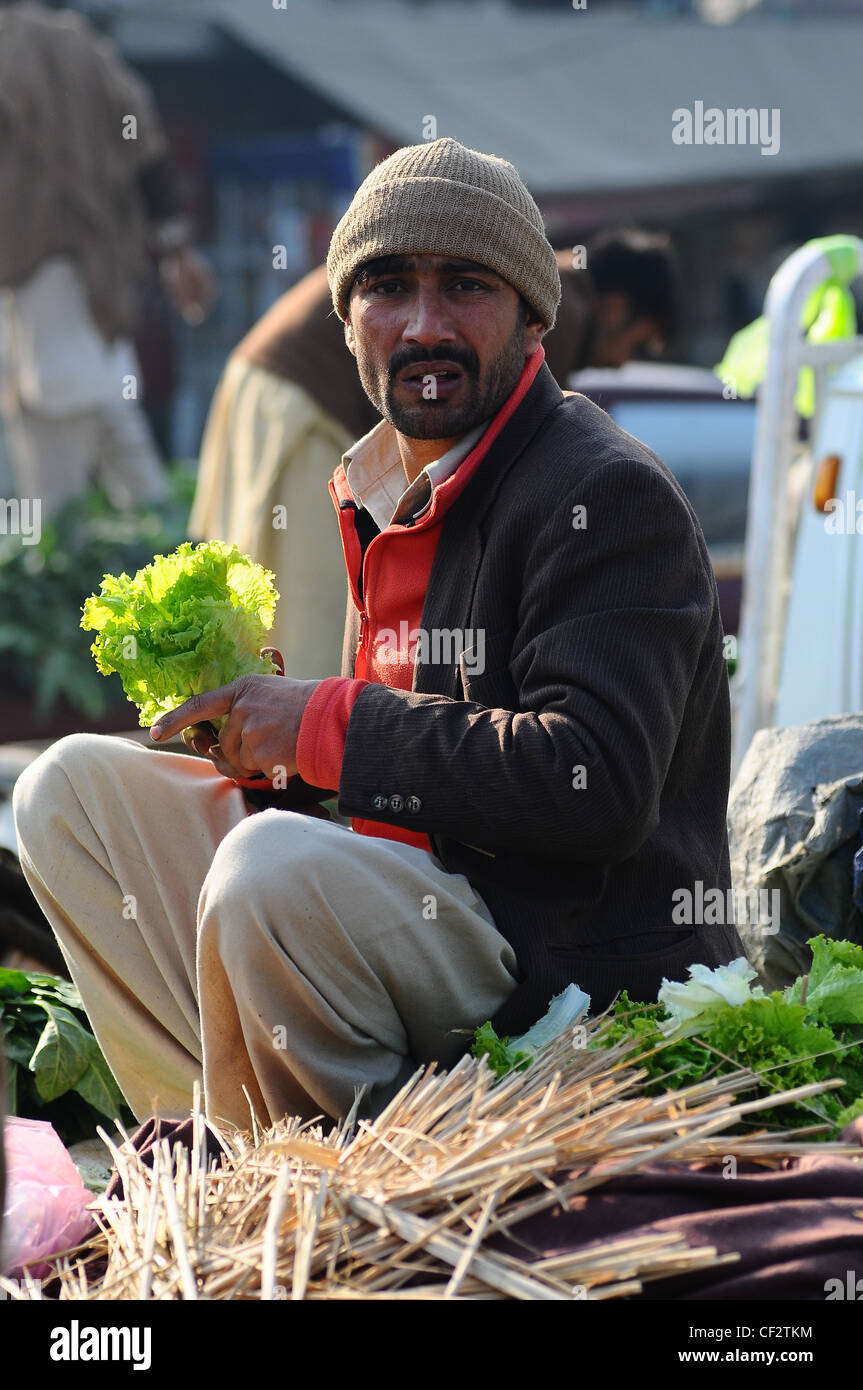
x: 705, y: 440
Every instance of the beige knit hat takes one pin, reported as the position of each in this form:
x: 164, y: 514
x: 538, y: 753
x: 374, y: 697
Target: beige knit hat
x: 442, y: 199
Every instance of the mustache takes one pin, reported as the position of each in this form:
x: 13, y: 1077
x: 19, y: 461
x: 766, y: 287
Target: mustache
x: 467, y: 360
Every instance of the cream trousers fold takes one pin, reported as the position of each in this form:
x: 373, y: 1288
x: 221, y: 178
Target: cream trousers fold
x: 269, y: 950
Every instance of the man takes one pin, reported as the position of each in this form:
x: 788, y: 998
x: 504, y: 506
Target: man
x: 531, y: 732
x: 624, y: 299
x: 288, y: 405
x: 85, y: 191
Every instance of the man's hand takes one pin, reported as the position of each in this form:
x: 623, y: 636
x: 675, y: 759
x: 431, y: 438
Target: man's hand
x: 261, y: 731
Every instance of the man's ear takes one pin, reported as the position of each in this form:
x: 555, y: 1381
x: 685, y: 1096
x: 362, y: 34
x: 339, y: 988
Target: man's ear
x: 535, y: 331
x: 349, y: 335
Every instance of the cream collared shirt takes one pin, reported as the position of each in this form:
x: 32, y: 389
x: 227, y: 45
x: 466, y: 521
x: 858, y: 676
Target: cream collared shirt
x: 376, y: 475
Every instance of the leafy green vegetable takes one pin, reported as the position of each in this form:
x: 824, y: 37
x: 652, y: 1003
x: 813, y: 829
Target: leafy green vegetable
x: 60, y: 1057
x: 96, y: 1084
x: 508, y: 1054
x: 834, y: 987
x: 775, y: 1037
x: 768, y: 1034
x: 673, y: 1063
x: 186, y: 623
x: 690, y: 1004
x: 56, y: 1070
x: 501, y: 1057
x: 563, y: 1011
x: 850, y: 1113
x: 14, y: 981
x: 716, y: 1023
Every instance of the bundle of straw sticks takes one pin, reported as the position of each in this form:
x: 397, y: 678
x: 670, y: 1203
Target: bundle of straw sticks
x: 403, y: 1206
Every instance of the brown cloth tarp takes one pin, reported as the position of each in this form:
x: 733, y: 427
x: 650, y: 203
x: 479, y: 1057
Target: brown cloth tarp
x: 301, y: 339
x: 793, y: 1228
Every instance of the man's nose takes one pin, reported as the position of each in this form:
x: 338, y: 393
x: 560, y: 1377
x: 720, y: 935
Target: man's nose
x: 429, y: 320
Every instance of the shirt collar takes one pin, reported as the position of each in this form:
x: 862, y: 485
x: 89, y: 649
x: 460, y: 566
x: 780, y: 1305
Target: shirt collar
x: 376, y: 474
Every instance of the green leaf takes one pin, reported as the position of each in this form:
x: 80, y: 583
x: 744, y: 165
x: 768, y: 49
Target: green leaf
x: 27, y: 1016
x: 13, y: 982
x: 851, y: 1112
x: 18, y: 1049
x: 501, y: 1057
x: 56, y: 1069
x: 98, y: 1087
x: 834, y: 990
x: 55, y: 987
x: 563, y: 1011
x: 62, y: 1054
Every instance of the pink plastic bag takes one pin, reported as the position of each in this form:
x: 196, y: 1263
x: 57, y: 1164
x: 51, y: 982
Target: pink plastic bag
x: 46, y: 1200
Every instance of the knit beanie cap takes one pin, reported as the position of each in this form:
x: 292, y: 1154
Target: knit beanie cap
x: 442, y: 199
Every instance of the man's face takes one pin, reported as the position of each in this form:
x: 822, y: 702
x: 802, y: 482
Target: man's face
x: 414, y: 318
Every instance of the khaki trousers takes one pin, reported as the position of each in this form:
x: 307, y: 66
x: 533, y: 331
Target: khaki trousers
x: 267, y: 455
x: 269, y: 950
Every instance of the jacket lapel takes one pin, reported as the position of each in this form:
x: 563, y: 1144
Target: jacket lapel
x: 459, y: 550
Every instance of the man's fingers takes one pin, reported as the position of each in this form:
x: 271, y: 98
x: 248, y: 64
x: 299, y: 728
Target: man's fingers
x: 204, y: 739
x: 231, y: 742
x: 200, y: 737
x: 222, y: 765
x: 212, y: 704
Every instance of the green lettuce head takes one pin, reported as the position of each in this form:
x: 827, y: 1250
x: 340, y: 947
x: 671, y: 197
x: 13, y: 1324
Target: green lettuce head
x: 186, y: 623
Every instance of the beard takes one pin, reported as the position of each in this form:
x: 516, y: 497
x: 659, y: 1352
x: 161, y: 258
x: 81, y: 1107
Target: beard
x: 481, y: 395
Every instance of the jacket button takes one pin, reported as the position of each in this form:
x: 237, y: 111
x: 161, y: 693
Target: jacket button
x: 396, y: 802
x: 413, y: 804
x: 379, y: 802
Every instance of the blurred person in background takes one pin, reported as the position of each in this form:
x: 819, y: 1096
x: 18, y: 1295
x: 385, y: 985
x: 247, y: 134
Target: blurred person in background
x: 625, y: 301
x: 287, y: 407
x: 86, y: 191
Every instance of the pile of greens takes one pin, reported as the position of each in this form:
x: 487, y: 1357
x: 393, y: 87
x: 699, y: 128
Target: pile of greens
x: 55, y: 1067
x: 188, y: 622
x: 717, y: 1023
x: 516, y: 1054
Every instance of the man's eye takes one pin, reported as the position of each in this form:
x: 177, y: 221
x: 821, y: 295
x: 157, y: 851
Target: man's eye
x: 386, y: 285
x: 472, y: 284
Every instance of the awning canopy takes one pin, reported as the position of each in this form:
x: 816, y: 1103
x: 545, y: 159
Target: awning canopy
x: 579, y: 102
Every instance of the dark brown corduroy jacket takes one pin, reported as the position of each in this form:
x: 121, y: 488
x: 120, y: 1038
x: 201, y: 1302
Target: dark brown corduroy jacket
x: 582, y: 777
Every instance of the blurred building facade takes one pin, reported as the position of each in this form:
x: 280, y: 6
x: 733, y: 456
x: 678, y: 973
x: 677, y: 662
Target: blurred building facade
x: 275, y: 116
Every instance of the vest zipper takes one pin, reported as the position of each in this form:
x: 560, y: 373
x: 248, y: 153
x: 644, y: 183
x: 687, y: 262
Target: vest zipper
x: 364, y: 617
